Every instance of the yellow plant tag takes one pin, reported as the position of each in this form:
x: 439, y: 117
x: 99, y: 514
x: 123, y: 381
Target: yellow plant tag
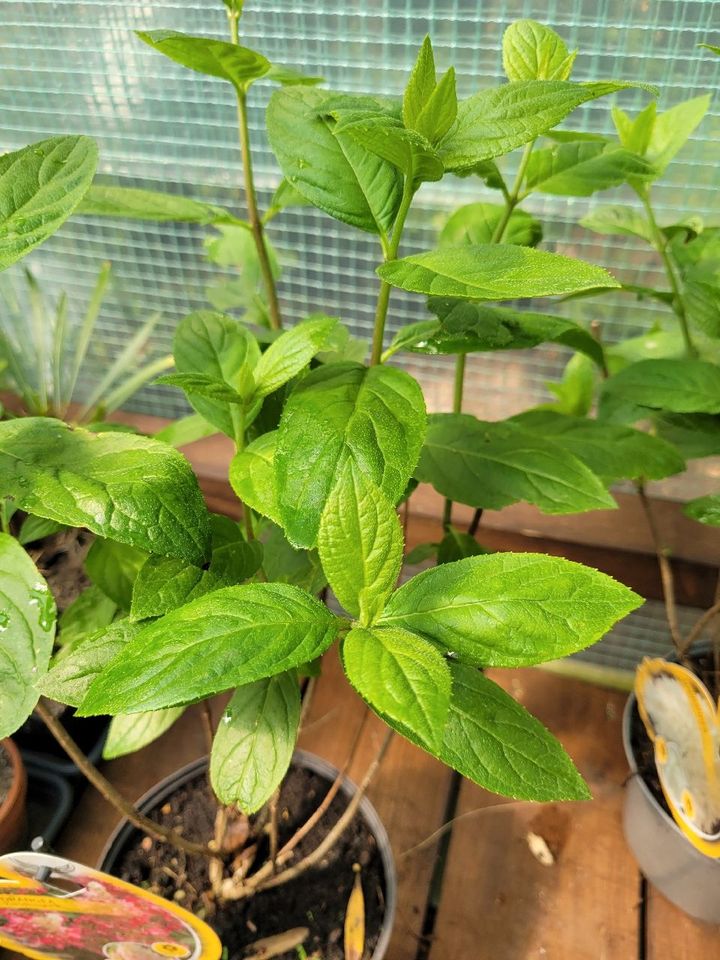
x: 355, y: 921
x: 55, y: 909
x: 681, y: 719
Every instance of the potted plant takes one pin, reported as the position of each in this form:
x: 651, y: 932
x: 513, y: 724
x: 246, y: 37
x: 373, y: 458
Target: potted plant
x: 13, y: 788
x: 668, y: 383
x: 326, y: 449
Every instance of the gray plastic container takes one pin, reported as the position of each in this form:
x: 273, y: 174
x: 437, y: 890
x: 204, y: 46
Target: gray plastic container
x: 666, y: 857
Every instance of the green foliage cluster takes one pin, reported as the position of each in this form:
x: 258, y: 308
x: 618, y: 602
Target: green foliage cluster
x: 327, y: 446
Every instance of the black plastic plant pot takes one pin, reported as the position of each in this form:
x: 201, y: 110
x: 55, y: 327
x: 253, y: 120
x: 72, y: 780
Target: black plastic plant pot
x: 50, y: 798
x: 40, y: 749
x: 125, y: 835
x: 666, y: 857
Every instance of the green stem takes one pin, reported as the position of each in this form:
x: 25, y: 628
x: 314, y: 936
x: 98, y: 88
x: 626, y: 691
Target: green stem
x: 458, y: 388
x: 513, y: 198
x: 660, y: 243
x: 390, y: 250
x: 256, y: 225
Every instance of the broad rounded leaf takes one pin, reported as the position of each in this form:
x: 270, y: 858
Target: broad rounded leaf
x: 40, y: 186
x: 622, y: 221
x: 510, y: 609
x: 360, y: 544
x: 493, y: 464
x: 494, y: 741
x: 333, y: 173
x: 404, y: 677
x: 229, y: 637
x: 532, y: 51
x: 128, y: 733
x: 476, y: 223
x: 119, y: 485
x: 491, y: 272
x: 252, y: 476
x: 27, y: 630
x: 255, y: 741
x: 611, y: 451
x: 676, y: 386
x: 374, y: 416
x: 113, y: 567
x: 217, y: 58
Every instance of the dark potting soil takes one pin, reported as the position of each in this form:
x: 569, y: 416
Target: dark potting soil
x: 6, y: 774
x: 60, y: 559
x: 641, y: 744
x: 316, y: 900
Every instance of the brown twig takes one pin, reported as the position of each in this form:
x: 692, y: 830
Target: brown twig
x: 700, y: 625
x: 273, y: 830
x: 666, y: 574
x: 441, y: 831
x: 113, y: 796
x: 231, y: 891
x: 208, y: 726
x: 475, y: 522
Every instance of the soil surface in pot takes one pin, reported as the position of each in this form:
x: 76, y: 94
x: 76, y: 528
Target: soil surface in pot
x: 641, y: 744
x: 60, y: 559
x: 316, y: 900
x: 6, y: 774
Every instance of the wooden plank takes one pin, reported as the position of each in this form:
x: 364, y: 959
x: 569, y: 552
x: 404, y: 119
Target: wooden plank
x: 498, y: 901
x: 672, y: 935
x: 409, y: 792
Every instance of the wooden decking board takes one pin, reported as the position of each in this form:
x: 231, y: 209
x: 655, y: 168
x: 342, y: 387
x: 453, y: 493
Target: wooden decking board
x: 409, y: 792
x: 672, y: 935
x: 498, y: 901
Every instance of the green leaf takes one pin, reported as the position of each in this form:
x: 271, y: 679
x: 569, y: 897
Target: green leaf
x: 360, y: 544
x: 202, y: 385
x: 421, y: 553
x: 374, y: 416
x: 40, y: 186
x: 230, y: 637
x: 456, y: 545
x: 488, y: 172
x: 469, y: 327
x: 37, y: 528
x: 291, y: 353
x: 186, y: 430
x: 709, y: 46
x: 89, y: 612
x: 252, y: 476
x: 163, y: 584
x: 75, y: 669
x: 694, y: 434
x: 704, y: 509
x: 492, y: 465
x: 282, y: 563
x: 476, y: 223
x: 113, y: 567
x: 216, y: 58
x: 532, y: 51
x: 673, y: 128
x: 404, y: 677
x: 495, y: 121
x: 510, y: 609
x: 134, y: 204
x: 333, y: 173
x: 388, y: 139
x: 420, y: 86
x: 611, y: 451
x: 635, y: 134
x: 575, y: 393
x: 120, y: 486
x: 618, y: 221
x: 491, y: 272
x: 702, y: 302
x: 440, y: 111
x: 677, y: 386
x: 27, y: 629
x: 580, y: 169
x: 217, y: 346
x: 494, y: 741
x: 287, y: 76
x: 255, y: 741
x: 132, y: 732
x: 285, y: 196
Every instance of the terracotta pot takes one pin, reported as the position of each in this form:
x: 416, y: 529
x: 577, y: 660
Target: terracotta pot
x: 12, y: 810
